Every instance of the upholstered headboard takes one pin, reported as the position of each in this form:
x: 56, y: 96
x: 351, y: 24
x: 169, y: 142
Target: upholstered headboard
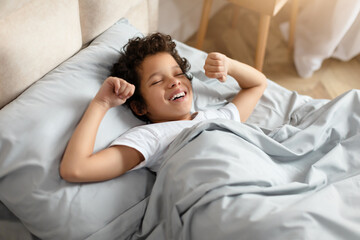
x: 37, y: 35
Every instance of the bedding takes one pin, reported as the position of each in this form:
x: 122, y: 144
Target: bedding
x: 35, y: 128
x: 299, y: 181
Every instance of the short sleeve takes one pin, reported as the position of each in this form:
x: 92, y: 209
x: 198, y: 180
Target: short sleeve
x: 143, y: 141
x: 229, y: 111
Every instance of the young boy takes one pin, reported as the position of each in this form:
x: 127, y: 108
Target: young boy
x: 152, y: 79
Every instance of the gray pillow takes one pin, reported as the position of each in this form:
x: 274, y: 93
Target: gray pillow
x: 34, y: 131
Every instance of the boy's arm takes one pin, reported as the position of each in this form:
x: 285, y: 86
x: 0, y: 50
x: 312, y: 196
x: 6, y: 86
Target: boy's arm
x: 79, y: 163
x: 252, y: 82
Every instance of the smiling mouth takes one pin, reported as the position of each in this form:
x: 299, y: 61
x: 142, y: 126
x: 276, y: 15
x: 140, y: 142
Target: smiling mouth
x: 178, y: 96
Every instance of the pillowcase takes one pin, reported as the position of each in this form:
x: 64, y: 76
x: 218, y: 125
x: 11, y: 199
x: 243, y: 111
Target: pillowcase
x: 34, y: 131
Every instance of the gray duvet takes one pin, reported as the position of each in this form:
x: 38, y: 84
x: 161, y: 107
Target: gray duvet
x: 226, y: 180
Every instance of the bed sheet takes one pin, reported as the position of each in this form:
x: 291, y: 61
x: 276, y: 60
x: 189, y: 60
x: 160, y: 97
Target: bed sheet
x: 11, y: 227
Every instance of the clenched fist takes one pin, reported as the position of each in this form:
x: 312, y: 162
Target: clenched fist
x: 114, y: 92
x: 216, y: 66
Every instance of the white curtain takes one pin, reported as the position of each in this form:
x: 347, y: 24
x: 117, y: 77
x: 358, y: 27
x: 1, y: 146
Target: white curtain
x: 324, y: 29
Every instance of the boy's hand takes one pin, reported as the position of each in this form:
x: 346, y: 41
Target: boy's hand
x: 216, y: 66
x: 114, y: 92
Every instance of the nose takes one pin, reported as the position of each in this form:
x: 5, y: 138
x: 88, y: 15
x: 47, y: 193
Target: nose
x: 173, y: 82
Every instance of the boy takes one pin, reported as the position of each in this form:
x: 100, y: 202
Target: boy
x: 152, y: 79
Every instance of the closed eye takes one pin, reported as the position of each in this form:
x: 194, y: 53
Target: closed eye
x: 180, y: 74
x: 155, y: 82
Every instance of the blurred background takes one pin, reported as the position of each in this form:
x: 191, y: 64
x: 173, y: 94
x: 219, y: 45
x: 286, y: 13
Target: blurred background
x: 324, y: 63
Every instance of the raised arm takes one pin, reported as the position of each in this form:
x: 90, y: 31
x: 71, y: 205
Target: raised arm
x: 79, y: 163
x: 252, y: 82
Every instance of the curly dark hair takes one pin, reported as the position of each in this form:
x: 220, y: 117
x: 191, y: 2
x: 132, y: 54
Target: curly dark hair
x: 131, y: 58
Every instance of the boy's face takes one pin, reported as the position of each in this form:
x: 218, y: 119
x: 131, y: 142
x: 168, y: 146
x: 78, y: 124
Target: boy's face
x: 166, y: 90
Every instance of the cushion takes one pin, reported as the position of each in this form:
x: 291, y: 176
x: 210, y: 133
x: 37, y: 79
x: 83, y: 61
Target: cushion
x: 98, y: 15
x: 51, y: 38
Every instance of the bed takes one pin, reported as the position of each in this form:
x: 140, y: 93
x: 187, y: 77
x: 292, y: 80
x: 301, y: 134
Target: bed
x: 292, y: 171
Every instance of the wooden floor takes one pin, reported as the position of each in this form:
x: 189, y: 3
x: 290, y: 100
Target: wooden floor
x: 334, y: 78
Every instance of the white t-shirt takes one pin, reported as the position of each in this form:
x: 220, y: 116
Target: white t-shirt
x: 152, y: 140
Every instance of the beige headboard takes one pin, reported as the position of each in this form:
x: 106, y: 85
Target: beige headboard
x: 37, y: 35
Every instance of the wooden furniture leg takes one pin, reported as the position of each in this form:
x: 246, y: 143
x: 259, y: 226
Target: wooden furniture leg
x: 263, y: 31
x: 293, y: 17
x: 203, y: 23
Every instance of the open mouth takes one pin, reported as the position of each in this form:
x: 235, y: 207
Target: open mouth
x: 178, y: 96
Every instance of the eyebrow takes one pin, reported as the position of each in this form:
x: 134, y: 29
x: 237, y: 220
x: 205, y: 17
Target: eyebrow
x: 156, y: 73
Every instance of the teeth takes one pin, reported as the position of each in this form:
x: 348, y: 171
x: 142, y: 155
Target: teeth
x: 182, y: 94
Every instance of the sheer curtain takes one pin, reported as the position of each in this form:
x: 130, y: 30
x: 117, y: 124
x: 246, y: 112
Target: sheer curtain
x: 326, y: 28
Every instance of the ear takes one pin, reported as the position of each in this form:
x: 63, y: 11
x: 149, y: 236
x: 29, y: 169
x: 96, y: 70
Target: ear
x: 138, y: 108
